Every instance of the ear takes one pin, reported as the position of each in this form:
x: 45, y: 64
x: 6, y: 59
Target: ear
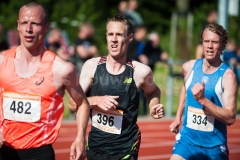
x: 17, y: 26
x: 130, y: 37
x: 47, y: 26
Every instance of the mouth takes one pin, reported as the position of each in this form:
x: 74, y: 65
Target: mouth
x: 29, y: 38
x: 209, y: 52
x: 114, y: 47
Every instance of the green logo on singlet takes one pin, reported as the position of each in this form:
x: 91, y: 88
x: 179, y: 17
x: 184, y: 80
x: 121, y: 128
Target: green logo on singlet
x: 128, y: 80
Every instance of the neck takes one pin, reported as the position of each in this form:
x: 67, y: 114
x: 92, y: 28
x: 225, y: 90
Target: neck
x: 211, y: 66
x: 29, y: 55
x: 116, y: 66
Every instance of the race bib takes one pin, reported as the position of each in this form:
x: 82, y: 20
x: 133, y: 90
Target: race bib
x: 110, y: 121
x: 199, y: 120
x: 21, y: 107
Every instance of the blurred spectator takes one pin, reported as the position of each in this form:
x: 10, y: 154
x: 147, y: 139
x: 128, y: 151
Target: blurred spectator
x: 135, y: 48
x: 132, y: 14
x: 55, y: 42
x: 122, y: 7
x: 3, y: 40
x: 230, y: 53
x: 13, y: 38
x: 211, y: 17
x: 231, y: 56
x: 238, y: 65
x: 153, y: 52
x: 84, y: 47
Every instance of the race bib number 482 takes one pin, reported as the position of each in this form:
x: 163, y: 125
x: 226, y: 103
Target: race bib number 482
x: 197, y: 119
x: 110, y: 121
x: 21, y: 107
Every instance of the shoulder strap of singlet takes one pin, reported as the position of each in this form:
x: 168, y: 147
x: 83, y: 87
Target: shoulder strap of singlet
x: 48, y: 56
x: 10, y: 52
x: 103, y: 59
x: 197, y: 63
x: 129, y: 62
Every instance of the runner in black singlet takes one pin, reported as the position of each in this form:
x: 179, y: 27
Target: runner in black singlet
x: 112, y: 85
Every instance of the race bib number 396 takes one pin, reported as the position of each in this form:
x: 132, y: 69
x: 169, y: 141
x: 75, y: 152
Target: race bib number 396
x: 199, y: 120
x: 110, y: 121
x: 21, y: 107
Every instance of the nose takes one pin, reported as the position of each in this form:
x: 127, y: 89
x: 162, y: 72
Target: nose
x: 114, y: 37
x: 210, y: 44
x: 29, y: 27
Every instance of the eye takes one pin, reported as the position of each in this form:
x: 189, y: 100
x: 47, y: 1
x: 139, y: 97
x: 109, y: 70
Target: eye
x: 109, y: 34
x: 119, y: 35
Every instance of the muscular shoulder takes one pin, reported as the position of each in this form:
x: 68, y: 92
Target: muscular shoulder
x: 63, y: 68
x: 90, y: 66
x: 93, y: 62
x: 141, y: 72
x: 187, y: 67
x: 229, y: 77
x: 141, y: 68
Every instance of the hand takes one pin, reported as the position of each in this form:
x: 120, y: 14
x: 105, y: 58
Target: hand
x: 157, y: 111
x: 107, y: 103
x: 78, y: 150
x: 2, y: 139
x: 174, y: 126
x: 198, y: 91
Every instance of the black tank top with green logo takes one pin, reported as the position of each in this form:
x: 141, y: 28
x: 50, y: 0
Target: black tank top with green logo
x: 116, y: 131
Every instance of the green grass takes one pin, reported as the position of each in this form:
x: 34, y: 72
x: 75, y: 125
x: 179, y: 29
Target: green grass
x: 65, y: 102
x: 161, y: 73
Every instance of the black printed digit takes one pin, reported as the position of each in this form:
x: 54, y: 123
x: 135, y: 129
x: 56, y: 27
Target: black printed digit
x: 29, y: 107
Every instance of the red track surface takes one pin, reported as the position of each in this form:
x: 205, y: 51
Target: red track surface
x: 157, y: 140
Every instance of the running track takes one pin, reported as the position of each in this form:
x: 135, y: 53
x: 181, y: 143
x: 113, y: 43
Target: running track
x: 157, y: 140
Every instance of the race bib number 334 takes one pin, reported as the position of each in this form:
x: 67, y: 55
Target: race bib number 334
x: 21, y: 107
x: 197, y: 119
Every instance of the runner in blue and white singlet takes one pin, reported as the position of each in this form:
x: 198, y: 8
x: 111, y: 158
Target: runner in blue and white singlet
x: 199, y: 127
x: 207, y: 102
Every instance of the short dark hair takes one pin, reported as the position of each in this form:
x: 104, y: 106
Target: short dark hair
x: 37, y: 4
x: 122, y: 19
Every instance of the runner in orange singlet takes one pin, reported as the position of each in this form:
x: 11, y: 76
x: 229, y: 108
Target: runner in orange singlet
x: 32, y: 83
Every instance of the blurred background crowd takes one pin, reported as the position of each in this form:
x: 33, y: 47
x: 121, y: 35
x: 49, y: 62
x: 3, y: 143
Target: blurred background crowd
x: 163, y: 30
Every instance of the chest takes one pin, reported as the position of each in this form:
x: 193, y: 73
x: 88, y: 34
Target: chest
x: 25, y: 70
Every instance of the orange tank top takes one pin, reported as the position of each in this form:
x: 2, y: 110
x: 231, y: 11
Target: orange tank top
x: 31, y: 109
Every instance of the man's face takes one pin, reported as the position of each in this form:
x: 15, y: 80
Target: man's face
x: 211, y: 45
x: 32, y: 27
x: 117, y: 39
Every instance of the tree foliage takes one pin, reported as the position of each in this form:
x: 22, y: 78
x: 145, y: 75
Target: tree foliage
x: 156, y: 15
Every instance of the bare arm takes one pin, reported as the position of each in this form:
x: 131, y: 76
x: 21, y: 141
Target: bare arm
x: 174, y: 126
x: 186, y: 69
x: 71, y: 84
x: 153, y: 93
x: 2, y: 139
x: 227, y: 113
